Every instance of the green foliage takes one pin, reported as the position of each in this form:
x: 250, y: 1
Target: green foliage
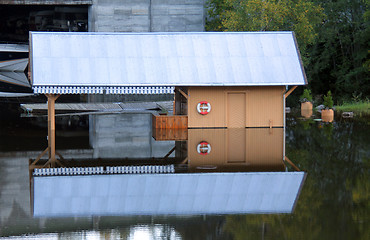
x: 306, y: 96
x: 339, y: 59
x: 328, y: 100
x: 299, y: 16
x: 357, y: 107
x: 333, y: 36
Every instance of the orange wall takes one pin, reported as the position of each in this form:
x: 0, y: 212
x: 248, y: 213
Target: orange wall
x: 240, y: 148
x: 262, y: 105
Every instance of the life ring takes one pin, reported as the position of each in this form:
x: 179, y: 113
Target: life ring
x: 204, y: 148
x: 204, y: 107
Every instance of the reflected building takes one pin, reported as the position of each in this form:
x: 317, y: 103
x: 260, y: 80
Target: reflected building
x: 209, y: 171
x: 125, y: 136
x: 237, y: 149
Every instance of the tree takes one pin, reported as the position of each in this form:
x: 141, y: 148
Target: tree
x: 339, y: 60
x: 299, y: 16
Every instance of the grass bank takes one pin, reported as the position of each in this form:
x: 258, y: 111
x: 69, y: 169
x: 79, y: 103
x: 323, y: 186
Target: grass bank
x: 357, y: 107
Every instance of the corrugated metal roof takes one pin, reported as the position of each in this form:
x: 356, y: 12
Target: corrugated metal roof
x: 153, y: 194
x: 118, y: 60
x: 12, y: 72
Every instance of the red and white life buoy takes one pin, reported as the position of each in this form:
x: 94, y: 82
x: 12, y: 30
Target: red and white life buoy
x: 204, y: 107
x: 204, y: 148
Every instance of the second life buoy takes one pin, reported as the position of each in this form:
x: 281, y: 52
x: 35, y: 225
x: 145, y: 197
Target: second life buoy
x: 204, y: 107
x: 204, y: 148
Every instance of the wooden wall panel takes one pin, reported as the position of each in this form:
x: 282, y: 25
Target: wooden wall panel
x: 216, y: 97
x: 262, y: 106
x: 167, y: 121
x: 244, y: 148
x: 235, y: 109
x: 215, y: 137
x: 266, y: 145
x: 265, y: 104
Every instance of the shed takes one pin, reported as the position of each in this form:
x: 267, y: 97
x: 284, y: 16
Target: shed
x: 220, y: 79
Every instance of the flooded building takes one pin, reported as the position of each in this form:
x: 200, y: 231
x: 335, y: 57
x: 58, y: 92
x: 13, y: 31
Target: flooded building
x: 220, y: 79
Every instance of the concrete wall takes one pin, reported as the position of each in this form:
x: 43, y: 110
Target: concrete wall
x: 146, y: 16
x: 125, y: 136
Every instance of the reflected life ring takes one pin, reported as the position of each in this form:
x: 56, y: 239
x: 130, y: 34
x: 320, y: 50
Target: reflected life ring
x: 204, y: 148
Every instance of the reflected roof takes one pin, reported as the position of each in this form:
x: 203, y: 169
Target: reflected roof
x: 114, y: 60
x: 12, y: 72
x: 157, y: 194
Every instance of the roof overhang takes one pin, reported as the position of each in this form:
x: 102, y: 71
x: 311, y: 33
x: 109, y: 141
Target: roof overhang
x: 113, y: 62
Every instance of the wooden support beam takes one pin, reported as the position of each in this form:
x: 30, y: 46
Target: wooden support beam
x: 40, y: 156
x: 169, y: 153
x: 290, y: 91
x: 51, y: 128
x: 182, y: 93
x: 185, y: 161
x: 291, y: 163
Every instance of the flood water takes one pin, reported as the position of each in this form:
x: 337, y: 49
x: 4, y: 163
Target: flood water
x: 208, y: 184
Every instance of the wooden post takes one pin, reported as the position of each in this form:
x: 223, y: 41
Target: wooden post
x: 51, y: 127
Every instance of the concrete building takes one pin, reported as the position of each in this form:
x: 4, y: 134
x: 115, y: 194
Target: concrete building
x: 125, y: 136
x: 20, y: 16
x: 146, y: 16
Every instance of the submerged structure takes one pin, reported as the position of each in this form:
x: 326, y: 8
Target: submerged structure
x: 184, y: 182
x: 229, y: 112
x: 13, y: 65
x: 220, y: 80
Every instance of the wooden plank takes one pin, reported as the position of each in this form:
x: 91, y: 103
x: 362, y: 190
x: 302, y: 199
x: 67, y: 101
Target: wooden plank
x: 171, y: 122
x: 167, y: 134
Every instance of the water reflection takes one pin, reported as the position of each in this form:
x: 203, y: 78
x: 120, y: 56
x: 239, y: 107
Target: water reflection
x: 335, y: 193
x: 306, y: 113
x: 214, y: 171
x: 246, y: 149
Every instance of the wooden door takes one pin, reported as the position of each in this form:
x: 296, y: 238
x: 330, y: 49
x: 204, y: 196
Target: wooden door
x: 236, y: 110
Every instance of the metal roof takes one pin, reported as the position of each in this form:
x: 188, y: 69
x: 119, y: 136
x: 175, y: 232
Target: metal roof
x: 111, y: 61
x: 12, y: 72
x: 157, y: 194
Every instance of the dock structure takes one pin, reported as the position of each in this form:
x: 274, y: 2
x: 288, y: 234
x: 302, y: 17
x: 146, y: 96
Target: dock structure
x: 130, y: 107
x: 219, y: 80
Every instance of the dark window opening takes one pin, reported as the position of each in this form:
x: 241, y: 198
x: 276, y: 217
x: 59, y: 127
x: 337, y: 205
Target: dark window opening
x: 17, y: 21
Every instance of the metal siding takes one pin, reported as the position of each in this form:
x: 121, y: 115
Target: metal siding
x: 152, y: 194
x: 170, y: 59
